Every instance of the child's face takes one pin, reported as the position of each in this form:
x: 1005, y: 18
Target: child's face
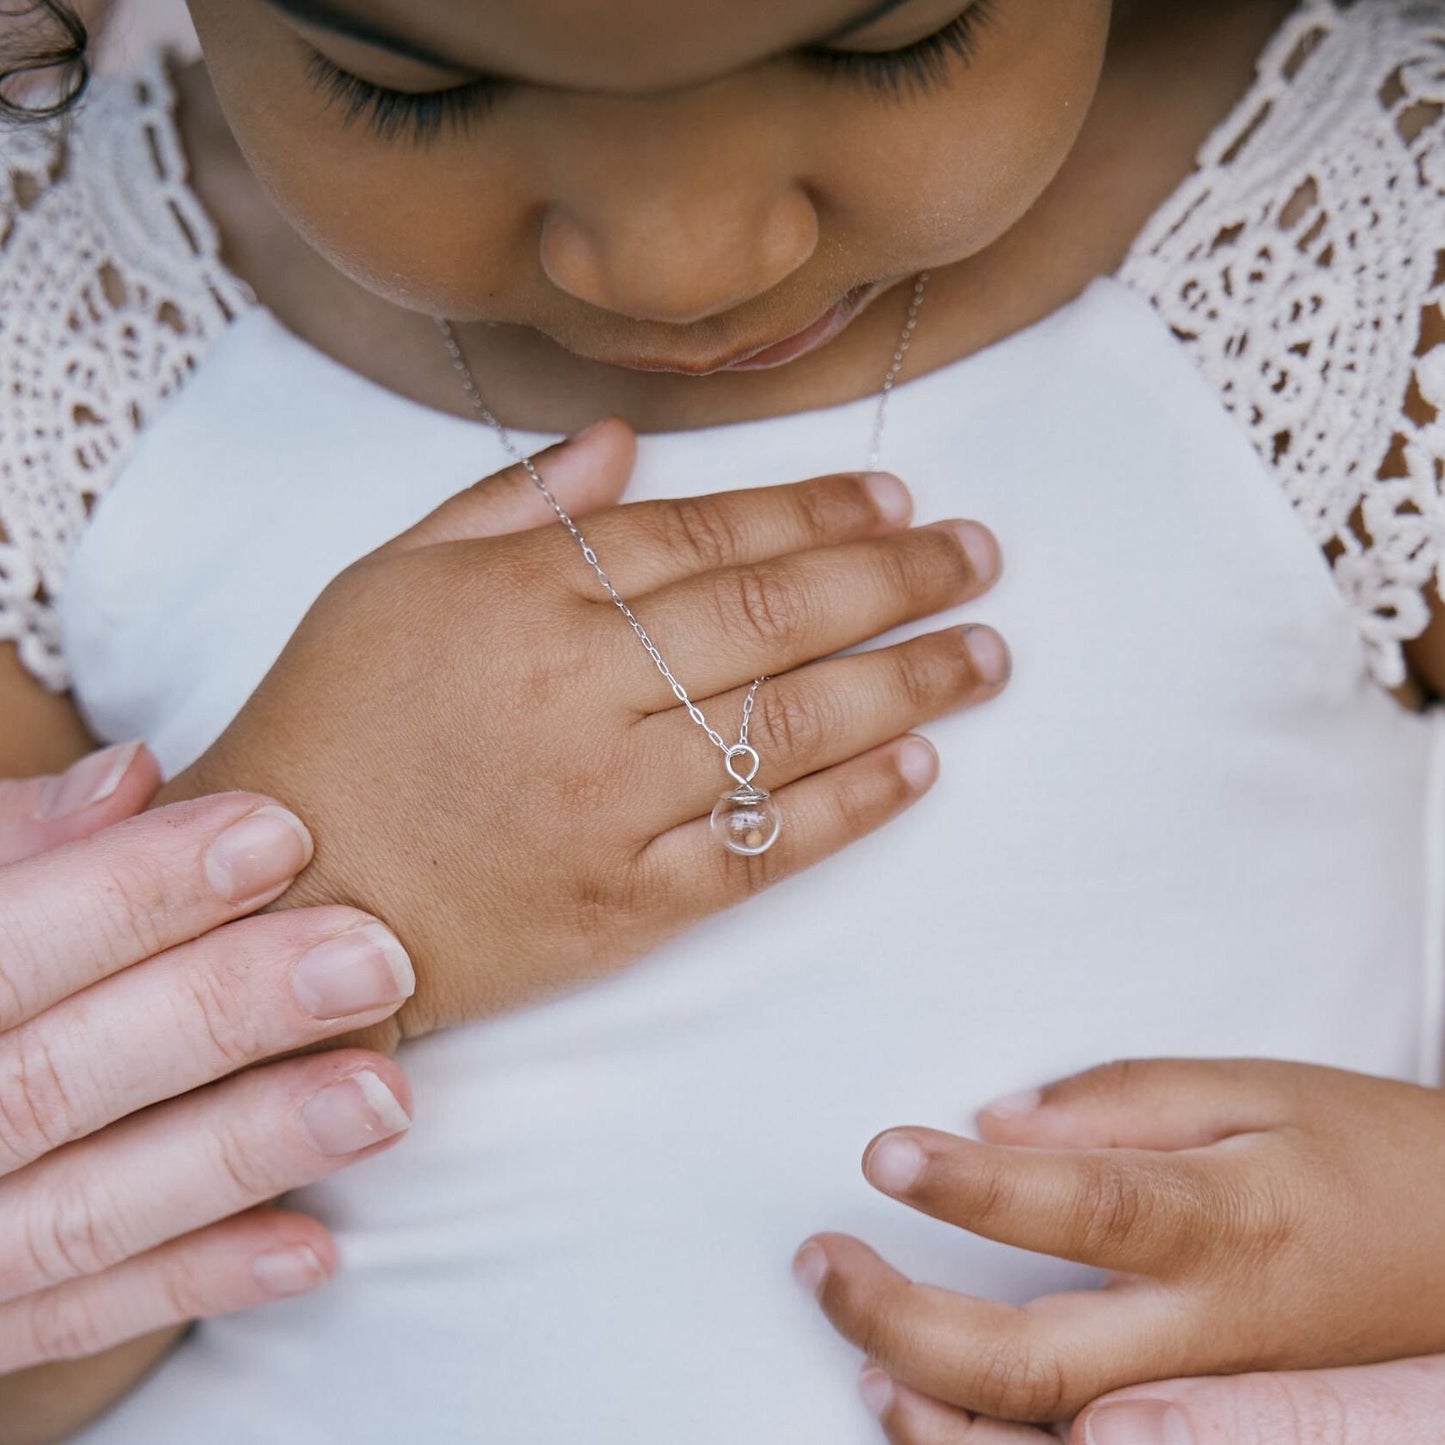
x: 655, y: 184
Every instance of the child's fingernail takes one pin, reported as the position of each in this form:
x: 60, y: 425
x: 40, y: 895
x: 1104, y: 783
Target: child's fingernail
x: 1138, y: 1422
x: 1022, y: 1103
x: 810, y: 1264
x: 590, y: 429
x: 989, y: 652
x: 894, y: 1163
x: 876, y: 1389
x: 890, y: 496
x: 918, y: 762
x: 981, y: 547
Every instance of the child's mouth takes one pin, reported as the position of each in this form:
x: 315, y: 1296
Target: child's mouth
x: 825, y: 328
x: 774, y: 353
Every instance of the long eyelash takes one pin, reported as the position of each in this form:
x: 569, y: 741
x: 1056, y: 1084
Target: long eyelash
x: 916, y: 69
x: 391, y: 113
x: 919, y: 68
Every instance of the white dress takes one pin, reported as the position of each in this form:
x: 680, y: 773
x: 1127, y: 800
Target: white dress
x: 1195, y: 823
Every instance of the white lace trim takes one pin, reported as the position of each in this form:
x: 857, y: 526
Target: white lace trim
x: 111, y: 290
x: 1296, y: 265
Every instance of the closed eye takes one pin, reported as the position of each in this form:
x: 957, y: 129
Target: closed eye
x: 422, y: 114
x: 919, y: 68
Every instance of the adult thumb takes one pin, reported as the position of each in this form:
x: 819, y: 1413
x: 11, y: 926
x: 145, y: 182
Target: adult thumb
x: 1402, y: 1402
x: 37, y: 814
x: 585, y: 473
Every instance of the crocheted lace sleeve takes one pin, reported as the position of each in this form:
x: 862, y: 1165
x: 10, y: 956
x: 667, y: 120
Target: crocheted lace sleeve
x: 1303, y: 265
x: 111, y: 290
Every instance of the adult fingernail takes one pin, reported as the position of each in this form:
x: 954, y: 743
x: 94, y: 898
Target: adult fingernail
x: 1024, y: 1102
x: 1138, y: 1422
x: 289, y: 1271
x: 810, y: 1264
x: 353, y: 973
x: 256, y: 855
x: 982, y: 549
x: 918, y: 763
x: 894, y: 1163
x: 353, y: 1114
x: 876, y: 1389
x: 889, y: 495
x: 988, y: 652
x: 91, y: 780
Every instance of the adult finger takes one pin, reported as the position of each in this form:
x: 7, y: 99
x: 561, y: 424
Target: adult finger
x: 909, y: 1418
x: 1039, y: 1361
x: 585, y: 472
x: 97, y: 790
x: 1151, y: 1104
x: 1119, y: 1209
x: 252, y: 1259
x: 830, y: 711
x: 242, y: 993
x: 180, y: 1166
x: 646, y: 545
x: 821, y: 814
x: 1401, y: 1402
x: 97, y: 905
x: 774, y: 615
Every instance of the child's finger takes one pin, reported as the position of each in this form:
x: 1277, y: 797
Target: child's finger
x: 1042, y: 1361
x: 1125, y: 1210
x: 584, y: 472
x: 1148, y: 1104
x: 821, y: 814
x: 909, y: 1418
x: 829, y: 711
x: 655, y: 543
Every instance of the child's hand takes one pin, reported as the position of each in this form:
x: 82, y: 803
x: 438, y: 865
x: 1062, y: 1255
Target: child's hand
x: 490, y: 763
x: 1258, y: 1215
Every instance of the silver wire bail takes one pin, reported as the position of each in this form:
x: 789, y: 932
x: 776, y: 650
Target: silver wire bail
x: 737, y: 750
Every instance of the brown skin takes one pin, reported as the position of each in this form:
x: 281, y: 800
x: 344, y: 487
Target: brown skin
x: 765, y: 193
x: 1254, y: 1215
x: 694, y: 200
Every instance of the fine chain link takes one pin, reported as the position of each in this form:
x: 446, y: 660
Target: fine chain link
x: 896, y: 366
x: 464, y: 371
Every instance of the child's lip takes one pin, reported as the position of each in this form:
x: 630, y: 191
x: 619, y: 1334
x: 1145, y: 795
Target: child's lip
x: 768, y: 353
x: 825, y: 328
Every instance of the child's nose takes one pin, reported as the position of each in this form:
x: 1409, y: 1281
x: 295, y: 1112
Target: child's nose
x: 677, y: 251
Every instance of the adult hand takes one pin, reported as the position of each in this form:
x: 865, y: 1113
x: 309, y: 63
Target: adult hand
x: 1401, y: 1402
x: 1398, y: 1403
x: 490, y: 762
x: 99, y: 789
x: 133, y: 1167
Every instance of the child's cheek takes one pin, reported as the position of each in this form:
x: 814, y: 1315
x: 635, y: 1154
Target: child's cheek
x: 981, y: 153
x: 897, y: 185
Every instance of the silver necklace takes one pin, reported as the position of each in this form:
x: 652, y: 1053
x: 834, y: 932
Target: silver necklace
x: 745, y: 818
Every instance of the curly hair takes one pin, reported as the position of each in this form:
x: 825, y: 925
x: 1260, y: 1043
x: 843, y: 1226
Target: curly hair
x: 39, y: 37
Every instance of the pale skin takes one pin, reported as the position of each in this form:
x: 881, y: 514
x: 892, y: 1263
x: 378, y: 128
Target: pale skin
x: 561, y: 320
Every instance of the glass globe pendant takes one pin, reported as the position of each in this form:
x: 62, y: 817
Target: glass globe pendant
x: 745, y: 819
